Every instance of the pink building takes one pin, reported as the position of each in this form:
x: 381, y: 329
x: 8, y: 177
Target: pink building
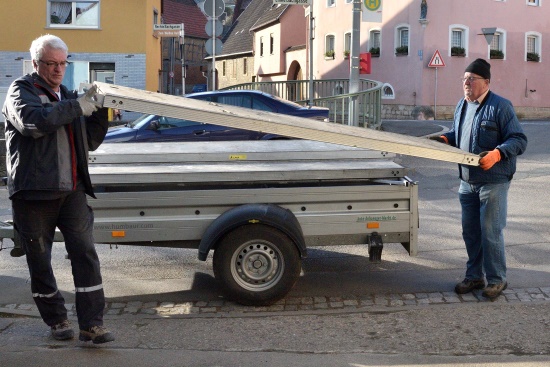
x: 511, y: 34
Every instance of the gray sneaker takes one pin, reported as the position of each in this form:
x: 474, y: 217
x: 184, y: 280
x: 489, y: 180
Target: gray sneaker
x: 97, y: 334
x: 492, y: 291
x: 62, y: 331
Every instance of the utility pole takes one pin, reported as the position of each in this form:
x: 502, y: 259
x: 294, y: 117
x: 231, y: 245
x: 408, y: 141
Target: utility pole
x: 353, y: 116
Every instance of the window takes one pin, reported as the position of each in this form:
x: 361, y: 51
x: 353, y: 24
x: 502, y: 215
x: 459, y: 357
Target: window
x: 245, y: 66
x: 497, y: 48
x: 271, y: 43
x: 458, y: 40
x: 261, y: 46
x: 331, y: 3
x: 374, y: 42
x: 532, y: 46
x: 329, y: 46
x: 347, y: 42
x: 533, y: 2
x: 223, y: 68
x: 233, y: 68
x: 73, y: 14
x: 402, y: 40
x: 387, y: 91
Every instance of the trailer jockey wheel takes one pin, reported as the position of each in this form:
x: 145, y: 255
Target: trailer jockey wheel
x: 375, y: 247
x: 256, y: 264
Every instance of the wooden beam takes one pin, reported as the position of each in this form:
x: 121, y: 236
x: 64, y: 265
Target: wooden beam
x: 137, y: 100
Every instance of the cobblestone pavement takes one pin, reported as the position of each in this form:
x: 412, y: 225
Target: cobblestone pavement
x: 310, y: 305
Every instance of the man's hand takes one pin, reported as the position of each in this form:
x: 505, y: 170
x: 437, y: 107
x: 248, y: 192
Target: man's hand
x: 442, y: 139
x: 88, y: 102
x: 489, y: 159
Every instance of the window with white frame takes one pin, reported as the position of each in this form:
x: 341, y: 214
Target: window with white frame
x: 374, y: 42
x: 402, y: 40
x: 387, y: 91
x: 533, y: 2
x: 73, y: 14
x: 331, y: 3
x: 497, y: 48
x: 271, y: 43
x: 458, y: 40
x: 532, y: 46
x: 347, y: 42
x: 329, y: 45
x: 261, y: 46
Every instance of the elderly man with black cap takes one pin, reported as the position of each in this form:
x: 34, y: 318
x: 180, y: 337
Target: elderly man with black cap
x: 485, y: 124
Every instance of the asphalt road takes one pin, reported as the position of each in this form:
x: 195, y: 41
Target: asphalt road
x: 392, y: 327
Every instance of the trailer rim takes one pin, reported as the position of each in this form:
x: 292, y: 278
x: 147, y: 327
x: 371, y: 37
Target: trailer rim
x: 256, y: 265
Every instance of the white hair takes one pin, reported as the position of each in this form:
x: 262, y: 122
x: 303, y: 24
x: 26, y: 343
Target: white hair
x: 46, y: 41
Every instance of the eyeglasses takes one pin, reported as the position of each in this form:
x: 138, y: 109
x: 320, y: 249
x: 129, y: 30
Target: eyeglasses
x: 471, y: 79
x: 50, y: 64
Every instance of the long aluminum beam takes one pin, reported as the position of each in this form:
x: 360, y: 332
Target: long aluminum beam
x: 114, y: 96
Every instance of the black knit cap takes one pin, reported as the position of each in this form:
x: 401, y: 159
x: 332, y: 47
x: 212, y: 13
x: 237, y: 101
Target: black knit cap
x: 480, y: 67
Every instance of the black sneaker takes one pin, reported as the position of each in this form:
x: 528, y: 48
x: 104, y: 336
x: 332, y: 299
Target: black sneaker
x: 468, y: 285
x: 62, y: 331
x: 97, y: 334
x: 492, y: 291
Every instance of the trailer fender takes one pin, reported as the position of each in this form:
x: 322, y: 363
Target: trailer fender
x: 267, y: 214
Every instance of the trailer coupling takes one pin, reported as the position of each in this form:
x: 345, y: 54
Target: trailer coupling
x: 374, y: 241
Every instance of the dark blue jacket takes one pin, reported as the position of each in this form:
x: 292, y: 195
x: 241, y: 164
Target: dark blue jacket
x: 495, y: 125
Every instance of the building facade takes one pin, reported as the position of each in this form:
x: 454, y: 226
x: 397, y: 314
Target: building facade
x: 109, y: 41
x: 403, y: 36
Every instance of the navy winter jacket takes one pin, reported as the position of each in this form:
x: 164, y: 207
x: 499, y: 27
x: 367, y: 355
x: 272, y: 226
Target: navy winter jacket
x: 495, y: 125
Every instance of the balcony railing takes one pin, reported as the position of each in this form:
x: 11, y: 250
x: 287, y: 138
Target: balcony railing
x: 331, y: 93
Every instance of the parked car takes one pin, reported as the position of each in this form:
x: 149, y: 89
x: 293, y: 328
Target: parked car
x: 199, y: 88
x: 154, y: 128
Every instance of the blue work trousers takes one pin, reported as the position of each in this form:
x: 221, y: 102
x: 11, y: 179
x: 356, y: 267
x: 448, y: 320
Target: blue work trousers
x: 484, y: 208
x: 35, y: 221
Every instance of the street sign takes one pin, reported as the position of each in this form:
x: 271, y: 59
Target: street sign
x: 209, y: 46
x: 292, y: 2
x: 218, y: 28
x: 213, y: 8
x: 167, y: 30
x: 436, y: 61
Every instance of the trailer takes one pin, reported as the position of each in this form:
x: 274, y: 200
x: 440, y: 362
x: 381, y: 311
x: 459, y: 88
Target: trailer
x: 257, y: 205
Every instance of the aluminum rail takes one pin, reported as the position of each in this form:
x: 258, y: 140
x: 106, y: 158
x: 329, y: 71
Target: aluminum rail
x: 136, y: 100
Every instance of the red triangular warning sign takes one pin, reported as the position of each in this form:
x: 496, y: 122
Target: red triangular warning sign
x: 436, y: 61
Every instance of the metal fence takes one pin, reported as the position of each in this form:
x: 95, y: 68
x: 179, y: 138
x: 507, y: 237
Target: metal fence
x: 364, y: 107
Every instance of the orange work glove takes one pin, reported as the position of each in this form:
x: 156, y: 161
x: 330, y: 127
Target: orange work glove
x: 488, y: 159
x: 442, y: 139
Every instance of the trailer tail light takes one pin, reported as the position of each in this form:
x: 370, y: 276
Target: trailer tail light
x: 118, y: 234
x: 373, y: 225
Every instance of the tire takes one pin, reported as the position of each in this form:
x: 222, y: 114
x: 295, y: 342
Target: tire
x: 256, y: 265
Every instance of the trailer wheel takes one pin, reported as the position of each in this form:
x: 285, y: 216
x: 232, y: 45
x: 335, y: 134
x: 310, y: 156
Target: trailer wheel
x: 256, y: 264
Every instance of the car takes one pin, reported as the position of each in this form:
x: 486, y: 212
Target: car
x: 154, y: 128
x: 199, y: 88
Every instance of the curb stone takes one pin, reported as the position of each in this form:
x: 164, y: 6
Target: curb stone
x: 318, y: 304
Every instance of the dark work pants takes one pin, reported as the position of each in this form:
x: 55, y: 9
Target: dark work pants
x: 35, y: 221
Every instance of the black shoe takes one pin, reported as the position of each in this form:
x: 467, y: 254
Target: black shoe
x: 97, y: 334
x: 468, y: 285
x: 62, y: 331
x: 492, y: 291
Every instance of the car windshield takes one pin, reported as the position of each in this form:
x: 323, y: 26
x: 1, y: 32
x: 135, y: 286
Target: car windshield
x: 287, y: 102
x: 137, y: 123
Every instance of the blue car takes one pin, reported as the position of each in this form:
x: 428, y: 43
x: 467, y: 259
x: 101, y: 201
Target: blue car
x: 153, y: 128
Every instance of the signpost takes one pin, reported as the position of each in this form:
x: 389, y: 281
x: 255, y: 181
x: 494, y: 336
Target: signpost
x: 213, y: 9
x: 167, y: 30
x: 436, y: 62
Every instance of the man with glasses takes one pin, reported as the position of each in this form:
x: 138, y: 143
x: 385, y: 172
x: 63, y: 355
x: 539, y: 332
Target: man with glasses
x: 49, y: 131
x: 485, y: 124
